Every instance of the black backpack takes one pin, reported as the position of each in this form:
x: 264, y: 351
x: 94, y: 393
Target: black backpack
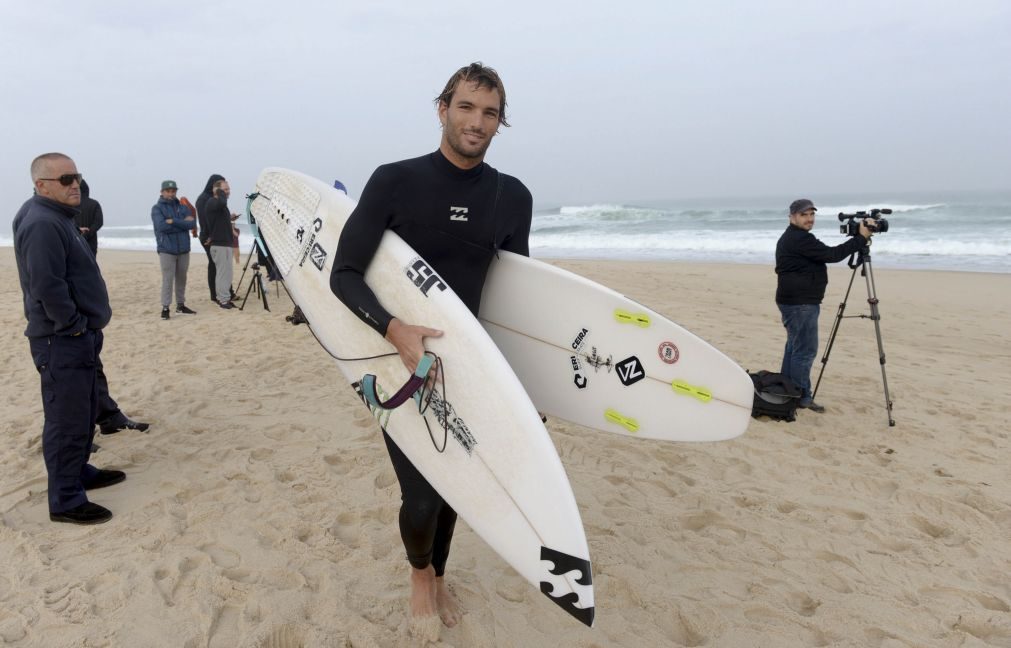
x: 775, y: 396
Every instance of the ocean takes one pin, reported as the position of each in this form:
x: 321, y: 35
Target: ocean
x: 964, y: 232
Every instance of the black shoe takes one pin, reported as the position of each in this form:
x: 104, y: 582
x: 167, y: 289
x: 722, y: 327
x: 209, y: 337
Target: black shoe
x: 105, y: 478
x: 87, y: 513
x: 164, y: 313
x: 182, y: 308
x: 227, y: 305
x: 122, y: 422
x: 811, y: 405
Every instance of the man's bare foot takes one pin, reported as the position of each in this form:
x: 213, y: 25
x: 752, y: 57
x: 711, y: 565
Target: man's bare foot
x: 424, y: 622
x: 449, y: 607
x: 423, y: 593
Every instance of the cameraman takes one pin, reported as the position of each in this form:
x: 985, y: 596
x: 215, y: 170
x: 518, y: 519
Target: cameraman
x: 802, y: 278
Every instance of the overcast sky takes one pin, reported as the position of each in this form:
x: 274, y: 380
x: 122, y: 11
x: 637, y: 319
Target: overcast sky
x: 609, y: 101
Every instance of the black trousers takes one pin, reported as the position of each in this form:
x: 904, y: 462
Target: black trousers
x: 211, y: 272
x: 108, y: 409
x: 67, y: 366
x: 426, y: 520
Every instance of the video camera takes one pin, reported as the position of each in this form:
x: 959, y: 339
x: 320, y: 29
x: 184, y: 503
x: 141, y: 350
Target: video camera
x: 875, y: 221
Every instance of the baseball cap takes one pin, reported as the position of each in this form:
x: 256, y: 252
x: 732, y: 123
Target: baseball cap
x: 801, y: 205
x: 169, y: 184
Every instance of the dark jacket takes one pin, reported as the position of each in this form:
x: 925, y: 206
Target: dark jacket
x: 219, y: 221
x: 201, y: 204
x: 800, y: 265
x: 90, y: 216
x: 174, y: 237
x: 63, y: 289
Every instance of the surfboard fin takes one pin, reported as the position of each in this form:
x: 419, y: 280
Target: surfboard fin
x: 639, y: 319
x: 700, y: 393
x: 413, y: 384
x: 626, y: 422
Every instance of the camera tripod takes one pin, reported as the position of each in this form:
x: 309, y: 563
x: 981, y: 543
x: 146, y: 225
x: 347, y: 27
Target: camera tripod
x: 255, y: 282
x: 862, y: 260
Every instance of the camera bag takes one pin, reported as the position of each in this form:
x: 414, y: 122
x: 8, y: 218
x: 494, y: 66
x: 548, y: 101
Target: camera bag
x: 776, y: 396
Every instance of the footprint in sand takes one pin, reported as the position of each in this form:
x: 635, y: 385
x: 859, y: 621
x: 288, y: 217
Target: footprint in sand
x: 222, y: 557
x: 260, y: 454
x: 385, y: 479
x: 286, y: 636
x: 347, y: 528
x: 339, y: 463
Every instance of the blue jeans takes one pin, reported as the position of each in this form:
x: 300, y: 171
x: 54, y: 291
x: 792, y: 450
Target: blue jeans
x: 801, y: 322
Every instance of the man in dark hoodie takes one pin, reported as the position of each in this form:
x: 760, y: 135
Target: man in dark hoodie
x: 67, y: 306
x: 89, y: 219
x: 201, y: 206
x: 110, y: 418
x: 220, y: 237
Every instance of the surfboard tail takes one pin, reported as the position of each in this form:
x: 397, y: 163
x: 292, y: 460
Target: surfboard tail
x: 579, y: 600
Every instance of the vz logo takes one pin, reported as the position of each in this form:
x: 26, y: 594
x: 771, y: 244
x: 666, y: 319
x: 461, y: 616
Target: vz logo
x: 630, y: 371
x: 458, y: 213
x: 318, y: 256
x: 423, y: 276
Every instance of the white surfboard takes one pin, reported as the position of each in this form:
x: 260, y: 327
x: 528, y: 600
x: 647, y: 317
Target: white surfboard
x: 589, y: 355
x: 496, y: 465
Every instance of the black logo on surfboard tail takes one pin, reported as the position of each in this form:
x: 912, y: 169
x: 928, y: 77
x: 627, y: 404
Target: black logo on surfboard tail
x: 564, y: 564
x: 318, y: 256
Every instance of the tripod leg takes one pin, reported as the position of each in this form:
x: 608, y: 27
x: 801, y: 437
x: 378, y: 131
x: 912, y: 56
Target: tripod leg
x: 246, y: 266
x: 252, y: 282
x: 835, y: 330
x: 872, y: 299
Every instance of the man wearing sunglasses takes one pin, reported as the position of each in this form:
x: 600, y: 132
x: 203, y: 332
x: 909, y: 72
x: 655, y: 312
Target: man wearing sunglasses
x: 67, y: 306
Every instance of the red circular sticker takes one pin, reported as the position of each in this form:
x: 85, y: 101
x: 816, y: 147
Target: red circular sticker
x: 668, y: 352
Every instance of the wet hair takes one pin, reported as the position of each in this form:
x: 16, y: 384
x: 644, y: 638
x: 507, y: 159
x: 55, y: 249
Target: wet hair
x: 40, y: 164
x: 484, y: 77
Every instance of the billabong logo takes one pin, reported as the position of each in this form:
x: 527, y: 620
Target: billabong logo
x: 423, y: 276
x: 458, y: 213
x: 630, y: 371
x: 578, y: 582
x: 318, y: 256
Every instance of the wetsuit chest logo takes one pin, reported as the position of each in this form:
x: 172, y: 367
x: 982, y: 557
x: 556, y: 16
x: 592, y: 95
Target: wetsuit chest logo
x: 458, y: 213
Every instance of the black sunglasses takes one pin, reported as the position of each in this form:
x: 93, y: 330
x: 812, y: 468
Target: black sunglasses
x: 66, y: 179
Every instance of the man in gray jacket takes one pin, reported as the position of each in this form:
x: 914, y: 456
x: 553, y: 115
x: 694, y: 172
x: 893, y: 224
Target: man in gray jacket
x: 67, y: 306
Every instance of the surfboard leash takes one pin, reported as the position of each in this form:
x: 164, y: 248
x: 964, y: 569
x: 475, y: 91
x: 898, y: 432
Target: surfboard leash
x: 427, y: 382
x: 424, y: 399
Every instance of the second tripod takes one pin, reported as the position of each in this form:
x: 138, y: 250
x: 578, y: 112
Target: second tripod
x: 255, y: 282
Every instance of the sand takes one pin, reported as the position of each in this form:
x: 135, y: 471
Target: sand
x: 260, y: 510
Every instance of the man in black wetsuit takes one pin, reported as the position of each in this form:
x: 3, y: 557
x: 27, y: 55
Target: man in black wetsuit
x: 455, y: 211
